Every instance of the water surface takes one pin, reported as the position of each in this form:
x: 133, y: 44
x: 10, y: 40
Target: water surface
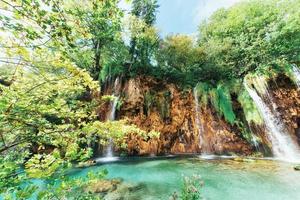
x: 224, y: 179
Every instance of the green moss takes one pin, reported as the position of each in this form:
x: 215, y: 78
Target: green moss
x: 158, y: 100
x: 219, y: 98
x: 164, y: 105
x: 149, y: 100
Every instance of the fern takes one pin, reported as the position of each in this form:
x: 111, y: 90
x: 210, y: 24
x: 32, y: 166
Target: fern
x: 225, y: 104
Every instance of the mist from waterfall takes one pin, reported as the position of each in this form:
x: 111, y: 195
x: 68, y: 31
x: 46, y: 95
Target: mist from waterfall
x: 198, y: 120
x: 283, y: 146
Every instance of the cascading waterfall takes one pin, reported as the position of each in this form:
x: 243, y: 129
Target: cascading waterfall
x: 112, y: 117
x: 296, y: 74
x: 109, y: 155
x: 198, y: 121
x: 112, y: 114
x: 283, y: 145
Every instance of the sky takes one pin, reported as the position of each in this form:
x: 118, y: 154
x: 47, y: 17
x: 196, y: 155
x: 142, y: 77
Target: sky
x: 184, y: 16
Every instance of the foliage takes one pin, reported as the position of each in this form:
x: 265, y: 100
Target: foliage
x: 144, y: 38
x: 246, y: 37
x: 69, y: 188
x: 144, y: 44
x: 179, y: 56
x: 243, y: 40
x: 55, y: 52
x: 221, y: 100
x: 191, y: 189
x: 44, y: 108
x: 219, y: 97
x: 145, y: 10
x: 114, y: 58
x: 100, y: 24
x: 180, y: 52
x: 117, y: 130
x: 48, y: 99
x: 40, y: 166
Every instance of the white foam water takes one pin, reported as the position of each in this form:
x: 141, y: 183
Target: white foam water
x: 283, y: 146
x: 197, y: 120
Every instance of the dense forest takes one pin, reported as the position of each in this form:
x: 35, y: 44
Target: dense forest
x: 56, y: 57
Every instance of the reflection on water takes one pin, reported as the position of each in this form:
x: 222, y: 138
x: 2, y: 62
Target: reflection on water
x: 223, y: 178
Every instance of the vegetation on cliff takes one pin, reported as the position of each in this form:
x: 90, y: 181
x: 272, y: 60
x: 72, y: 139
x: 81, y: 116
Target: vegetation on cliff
x: 55, y: 56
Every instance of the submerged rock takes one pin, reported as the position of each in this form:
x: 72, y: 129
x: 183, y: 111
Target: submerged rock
x: 242, y: 159
x: 125, y: 191
x: 86, y: 164
x: 103, y: 186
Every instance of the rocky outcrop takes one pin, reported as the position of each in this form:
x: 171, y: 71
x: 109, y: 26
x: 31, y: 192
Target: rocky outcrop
x: 153, y: 105
x: 157, y: 105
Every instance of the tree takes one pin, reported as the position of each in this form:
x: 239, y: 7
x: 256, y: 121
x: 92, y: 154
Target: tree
x: 145, y: 10
x: 48, y: 102
x: 101, y: 23
x: 252, y: 35
x: 144, y: 38
x: 180, y: 52
x: 181, y: 59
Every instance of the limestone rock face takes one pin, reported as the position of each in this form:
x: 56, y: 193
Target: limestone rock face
x: 157, y: 105
x: 286, y: 97
x: 153, y: 105
x: 220, y: 137
x: 133, y: 95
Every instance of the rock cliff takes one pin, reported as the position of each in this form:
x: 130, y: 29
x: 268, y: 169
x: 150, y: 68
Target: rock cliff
x: 153, y: 105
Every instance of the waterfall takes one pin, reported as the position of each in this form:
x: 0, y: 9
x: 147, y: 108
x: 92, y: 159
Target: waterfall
x: 283, y: 145
x: 197, y: 120
x: 296, y: 74
x: 112, y: 116
x: 109, y: 151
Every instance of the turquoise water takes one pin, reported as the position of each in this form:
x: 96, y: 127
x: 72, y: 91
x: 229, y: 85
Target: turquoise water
x: 224, y: 179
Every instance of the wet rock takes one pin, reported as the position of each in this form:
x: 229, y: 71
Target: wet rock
x: 286, y: 96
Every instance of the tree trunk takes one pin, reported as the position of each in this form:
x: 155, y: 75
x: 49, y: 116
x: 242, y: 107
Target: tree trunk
x: 97, y: 67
